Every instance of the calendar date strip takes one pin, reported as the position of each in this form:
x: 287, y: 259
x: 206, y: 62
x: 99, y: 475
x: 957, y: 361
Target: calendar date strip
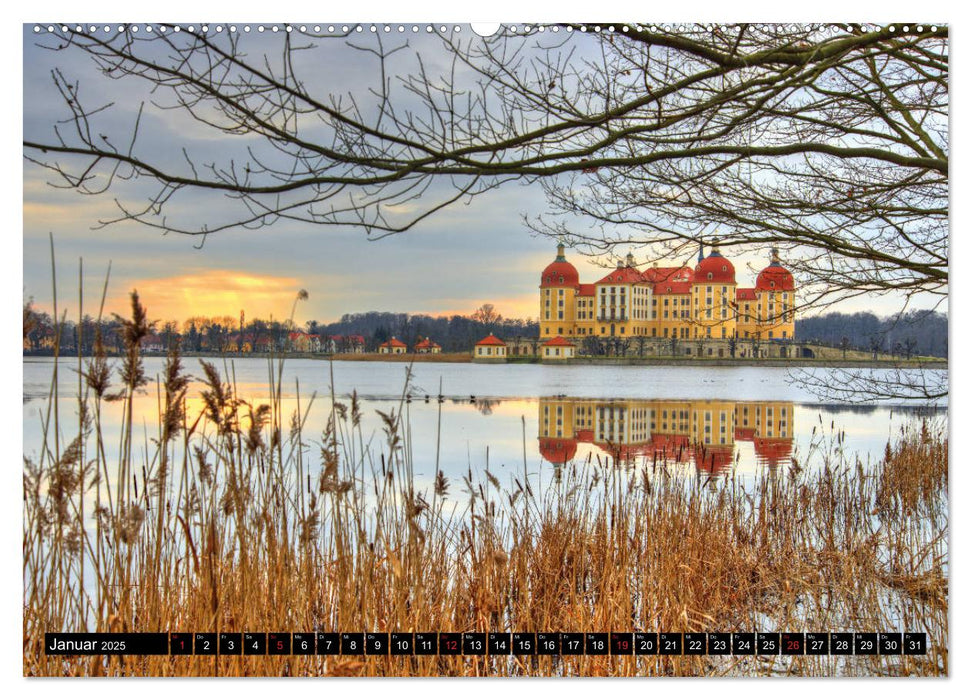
x: 487, y: 643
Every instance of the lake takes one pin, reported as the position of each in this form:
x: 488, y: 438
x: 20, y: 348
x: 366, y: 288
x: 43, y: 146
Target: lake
x: 508, y: 418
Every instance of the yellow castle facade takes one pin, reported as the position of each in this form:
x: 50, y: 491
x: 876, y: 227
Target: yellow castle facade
x: 677, y: 303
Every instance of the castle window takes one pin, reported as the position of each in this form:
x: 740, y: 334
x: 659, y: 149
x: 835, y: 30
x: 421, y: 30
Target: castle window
x: 710, y: 276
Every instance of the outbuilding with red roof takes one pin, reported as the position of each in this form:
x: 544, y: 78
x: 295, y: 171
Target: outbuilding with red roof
x: 489, y: 349
x: 426, y: 346
x: 393, y: 347
x: 558, y: 349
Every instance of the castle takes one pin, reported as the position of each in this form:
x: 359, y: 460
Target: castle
x: 703, y: 432
x: 673, y: 303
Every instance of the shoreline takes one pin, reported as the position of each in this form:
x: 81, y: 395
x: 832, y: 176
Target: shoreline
x: 461, y: 357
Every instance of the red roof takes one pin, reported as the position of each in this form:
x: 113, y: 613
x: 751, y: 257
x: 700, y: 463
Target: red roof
x: 667, y: 274
x: 714, y: 458
x: 490, y: 340
x: 622, y: 275
x: 557, y: 450
x: 623, y: 452
x: 426, y: 343
x: 775, y: 277
x: 744, y: 433
x: 773, y: 450
x: 745, y: 294
x: 668, y: 445
x: 558, y: 341
x: 718, y: 266
x: 587, y: 290
x: 662, y: 288
x: 393, y: 343
x: 559, y: 273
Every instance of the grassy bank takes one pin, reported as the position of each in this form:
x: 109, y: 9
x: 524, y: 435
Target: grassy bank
x: 855, y: 360
x: 222, y: 521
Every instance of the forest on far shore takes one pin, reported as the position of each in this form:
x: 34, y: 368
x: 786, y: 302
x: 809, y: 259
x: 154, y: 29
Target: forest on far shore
x: 912, y: 333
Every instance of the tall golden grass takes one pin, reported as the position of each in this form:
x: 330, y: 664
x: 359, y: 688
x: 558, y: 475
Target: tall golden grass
x: 220, y: 523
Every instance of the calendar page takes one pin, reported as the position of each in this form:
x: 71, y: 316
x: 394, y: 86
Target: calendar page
x: 524, y: 349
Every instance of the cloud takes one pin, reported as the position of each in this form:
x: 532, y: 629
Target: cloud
x: 215, y: 293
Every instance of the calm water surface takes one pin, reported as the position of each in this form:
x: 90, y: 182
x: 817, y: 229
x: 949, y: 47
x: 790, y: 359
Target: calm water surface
x: 515, y: 417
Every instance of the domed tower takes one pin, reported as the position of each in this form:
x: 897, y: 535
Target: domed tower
x: 557, y: 450
x: 775, y: 290
x: 557, y: 297
x: 713, y: 304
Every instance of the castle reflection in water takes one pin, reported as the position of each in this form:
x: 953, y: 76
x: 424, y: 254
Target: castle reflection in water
x: 700, y: 433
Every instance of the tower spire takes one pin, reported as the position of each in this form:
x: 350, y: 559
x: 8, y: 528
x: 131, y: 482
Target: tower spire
x: 701, y: 250
x: 560, y: 252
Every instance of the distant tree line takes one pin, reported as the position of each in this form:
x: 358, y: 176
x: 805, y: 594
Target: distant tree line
x: 911, y: 333
x: 454, y: 333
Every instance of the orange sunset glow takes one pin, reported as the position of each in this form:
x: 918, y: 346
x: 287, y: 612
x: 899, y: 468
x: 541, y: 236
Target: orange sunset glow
x: 214, y: 293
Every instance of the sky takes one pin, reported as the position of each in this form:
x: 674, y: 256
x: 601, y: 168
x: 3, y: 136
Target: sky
x: 471, y: 253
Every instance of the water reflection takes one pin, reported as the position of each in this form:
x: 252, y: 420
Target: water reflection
x: 703, y: 434
x: 462, y: 417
